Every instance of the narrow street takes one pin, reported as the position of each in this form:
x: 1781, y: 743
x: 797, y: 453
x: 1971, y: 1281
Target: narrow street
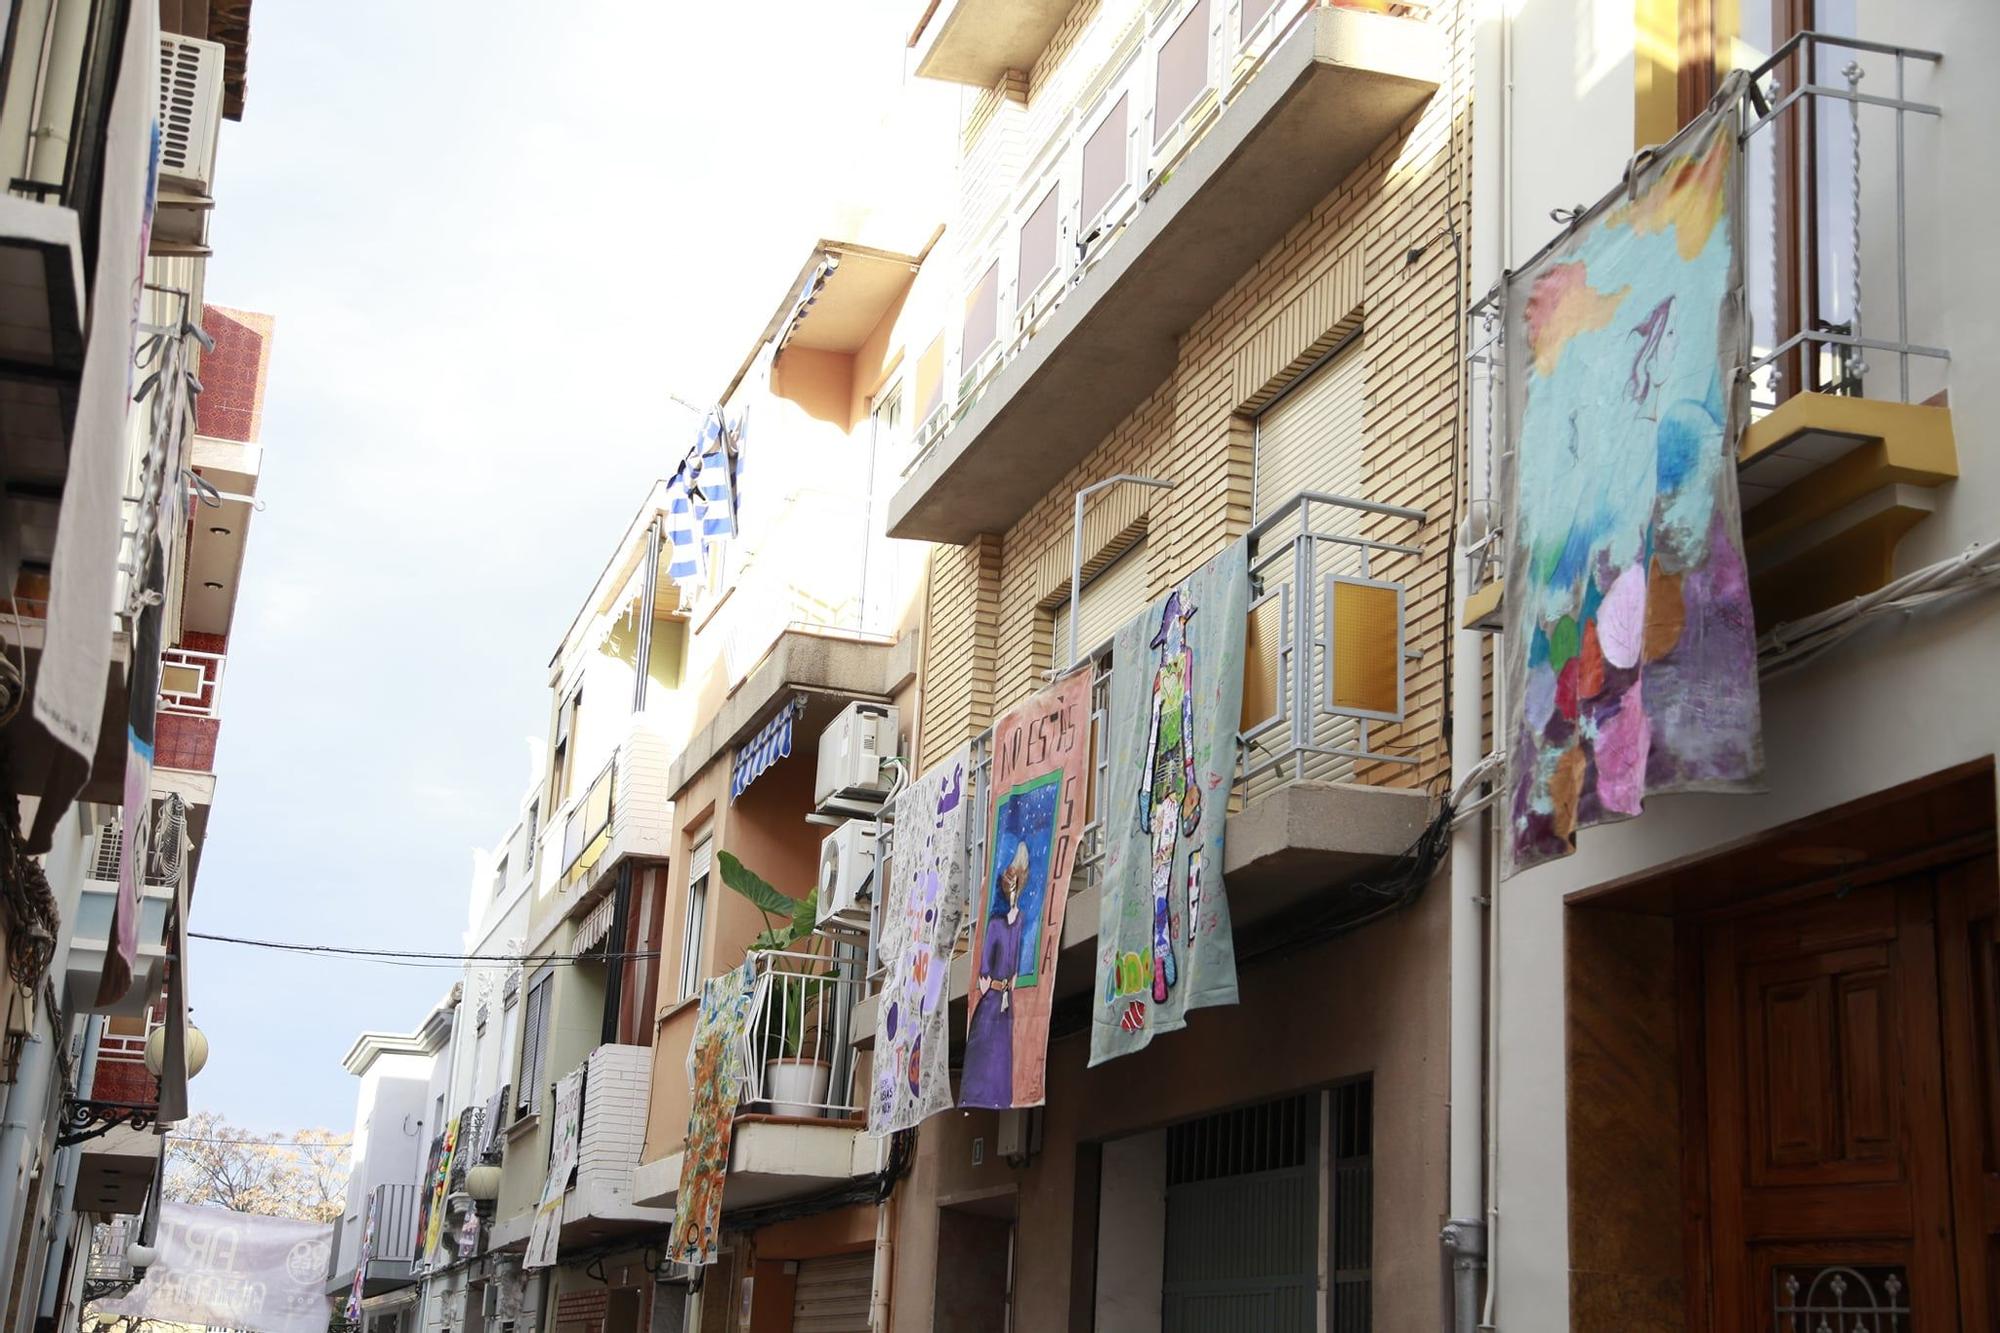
x: 999, y: 666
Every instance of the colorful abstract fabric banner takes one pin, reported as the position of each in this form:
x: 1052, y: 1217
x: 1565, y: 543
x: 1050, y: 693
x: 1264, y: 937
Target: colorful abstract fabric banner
x: 1631, y: 652
x: 920, y: 918
x: 1041, y: 752
x: 715, y: 1072
x: 440, y: 1190
x: 545, y: 1231
x: 1176, y: 699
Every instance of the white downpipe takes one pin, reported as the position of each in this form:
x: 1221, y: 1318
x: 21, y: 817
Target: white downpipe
x: 1489, y: 1318
x: 55, y: 107
x: 885, y: 1250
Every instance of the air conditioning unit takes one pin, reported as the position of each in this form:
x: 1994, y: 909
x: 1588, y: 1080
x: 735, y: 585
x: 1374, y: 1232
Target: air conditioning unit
x: 190, y: 110
x: 847, y: 874
x: 853, y: 780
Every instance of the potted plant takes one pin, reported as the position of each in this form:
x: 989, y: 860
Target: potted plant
x: 795, y: 1081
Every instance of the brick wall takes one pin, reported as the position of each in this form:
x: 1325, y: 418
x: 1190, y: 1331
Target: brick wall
x: 1372, y: 254
x: 614, y: 1117
x: 581, y: 1311
x: 231, y: 406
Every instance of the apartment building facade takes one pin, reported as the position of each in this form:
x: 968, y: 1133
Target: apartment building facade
x: 132, y: 455
x: 1736, y: 1073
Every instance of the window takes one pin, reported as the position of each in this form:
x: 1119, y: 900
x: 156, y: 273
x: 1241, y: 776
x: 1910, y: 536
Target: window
x: 534, y: 1044
x: 565, y: 733
x: 1181, y: 72
x: 930, y: 380
x: 666, y: 654
x: 534, y: 828
x: 1038, y: 246
x: 697, y: 912
x: 1111, y: 597
x: 1105, y: 163
x: 982, y: 319
x: 1249, y: 16
x: 500, y: 879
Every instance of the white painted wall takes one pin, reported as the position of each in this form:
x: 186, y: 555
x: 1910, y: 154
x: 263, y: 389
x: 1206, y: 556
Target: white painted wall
x: 391, y: 1138
x: 1132, y: 1233
x: 1896, y: 704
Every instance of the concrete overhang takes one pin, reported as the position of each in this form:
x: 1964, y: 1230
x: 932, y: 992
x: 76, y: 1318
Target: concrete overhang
x: 829, y: 670
x: 115, y: 1171
x: 1326, y: 97
x: 977, y: 41
x: 771, y: 1158
x: 220, y: 532
x: 861, y: 289
x: 1301, y: 845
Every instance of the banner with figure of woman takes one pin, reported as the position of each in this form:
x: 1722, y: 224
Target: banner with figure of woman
x: 1041, y: 751
x: 1630, y: 649
x: 1176, y: 699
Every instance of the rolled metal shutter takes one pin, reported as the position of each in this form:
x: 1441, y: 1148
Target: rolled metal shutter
x: 832, y: 1294
x: 1114, y: 596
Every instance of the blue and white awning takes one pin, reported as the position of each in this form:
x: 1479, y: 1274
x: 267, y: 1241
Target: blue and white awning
x: 772, y: 742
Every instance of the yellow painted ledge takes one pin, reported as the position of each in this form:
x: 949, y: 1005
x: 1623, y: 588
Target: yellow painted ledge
x: 1905, y: 444
x: 1482, y: 608
x: 1855, y: 554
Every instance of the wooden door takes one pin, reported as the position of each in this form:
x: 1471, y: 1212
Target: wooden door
x: 1829, y: 1174
x: 1969, y: 989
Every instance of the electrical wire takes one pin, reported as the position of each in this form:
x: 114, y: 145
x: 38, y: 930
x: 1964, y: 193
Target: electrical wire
x: 421, y: 957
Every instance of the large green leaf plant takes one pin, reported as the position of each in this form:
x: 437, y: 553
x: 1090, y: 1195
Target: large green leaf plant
x: 787, y: 922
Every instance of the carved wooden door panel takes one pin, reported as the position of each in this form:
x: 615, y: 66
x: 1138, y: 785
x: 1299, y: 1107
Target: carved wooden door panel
x: 1830, y: 1176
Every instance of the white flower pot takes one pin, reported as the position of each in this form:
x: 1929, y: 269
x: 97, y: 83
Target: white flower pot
x: 796, y: 1086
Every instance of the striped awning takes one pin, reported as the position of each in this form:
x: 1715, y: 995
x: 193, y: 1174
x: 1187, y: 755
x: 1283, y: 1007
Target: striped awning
x: 772, y: 742
x: 596, y: 927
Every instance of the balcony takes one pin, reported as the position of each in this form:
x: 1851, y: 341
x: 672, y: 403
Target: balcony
x: 392, y: 1253
x: 1851, y: 432
x: 115, y: 1168
x: 625, y: 810
x: 978, y: 41
x: 604, y: 1199
x: 800, y: 1128
x: 1326, y: 649
x: 90, y: 941
x: 1288, y: 111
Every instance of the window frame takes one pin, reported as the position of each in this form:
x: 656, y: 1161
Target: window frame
x: 531, y: 1064
x: 694, y: 916
x: 1166, y: 139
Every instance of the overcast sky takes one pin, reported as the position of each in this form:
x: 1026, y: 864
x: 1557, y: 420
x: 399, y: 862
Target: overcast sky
x: 496, y: 235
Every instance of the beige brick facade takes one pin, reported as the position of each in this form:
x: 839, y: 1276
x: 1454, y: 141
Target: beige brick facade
x: 1375, y: 254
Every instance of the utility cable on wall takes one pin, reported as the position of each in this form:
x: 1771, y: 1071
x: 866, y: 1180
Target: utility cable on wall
x: 424, y: 958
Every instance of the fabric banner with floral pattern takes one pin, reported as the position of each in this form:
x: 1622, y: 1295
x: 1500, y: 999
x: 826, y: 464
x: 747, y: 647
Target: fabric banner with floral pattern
x: 1631, y: 665
x: 1173, y: 709
x: 715, y: 1073
x: 1041, y: 754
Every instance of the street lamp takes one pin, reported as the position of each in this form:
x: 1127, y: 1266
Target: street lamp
x: 156, y: 1051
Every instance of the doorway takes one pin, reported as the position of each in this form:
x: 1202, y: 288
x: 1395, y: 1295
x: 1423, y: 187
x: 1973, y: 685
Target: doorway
x: 1848, y: 1135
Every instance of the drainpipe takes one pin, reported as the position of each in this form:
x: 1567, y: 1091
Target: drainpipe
x: 68, y: 1162
x: 885, y: 1249
x: 27, y: 1122
x: 55, y: 107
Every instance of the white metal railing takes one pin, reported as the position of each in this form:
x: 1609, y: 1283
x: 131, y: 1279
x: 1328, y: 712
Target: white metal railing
x: 1825, y: 246
x: 190, y: 682
x: 796, y: 1054
x: 1313, y: 542
x: 1826, y: 167
x: 1235, y: 53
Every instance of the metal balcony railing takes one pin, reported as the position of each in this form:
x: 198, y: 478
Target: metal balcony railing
x: 796, y: 1053
x: 395, y: 1213
x: 1326, y: 644
x: 1827, y: 239
x: 589, y: 817
x: 190, y: 682
x: 1236, y: 45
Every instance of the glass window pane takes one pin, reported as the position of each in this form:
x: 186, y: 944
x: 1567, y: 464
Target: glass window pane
x: 1104, y: 163
x: 982, y: 316
x: 1038, y: 244
x: 1183, y: 71
x: 1250, y: 15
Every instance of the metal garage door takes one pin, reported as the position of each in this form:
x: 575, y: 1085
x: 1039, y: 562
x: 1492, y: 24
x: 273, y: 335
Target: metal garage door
x: 832, y: 1294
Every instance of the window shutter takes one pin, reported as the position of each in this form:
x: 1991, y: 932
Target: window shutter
x: 1181, y: 71
x: 982, y: 318
x: 1038, y: 247
x: 1104, y: 162
x: 1114, y: 596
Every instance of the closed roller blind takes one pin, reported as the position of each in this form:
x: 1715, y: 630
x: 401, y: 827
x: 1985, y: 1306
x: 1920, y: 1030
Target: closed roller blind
x: 832, y: 1294
x: 1109, y: 600
x: 1312, y: 439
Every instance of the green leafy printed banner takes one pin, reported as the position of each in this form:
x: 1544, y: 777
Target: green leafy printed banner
x: 1176, y: 698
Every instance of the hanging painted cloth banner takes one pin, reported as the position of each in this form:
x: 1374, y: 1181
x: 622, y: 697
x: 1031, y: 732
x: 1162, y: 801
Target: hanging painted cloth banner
x: 222, y: 1269
x: 1041, y: 754
x: 715, y: 1073
x: 1176, y: 698
x: 440, y: 1190
x: 1631, y: 651
x: 545, y: 1232
x: 428, y: 1187
x: 920, y: 918
x: 354, y: 1292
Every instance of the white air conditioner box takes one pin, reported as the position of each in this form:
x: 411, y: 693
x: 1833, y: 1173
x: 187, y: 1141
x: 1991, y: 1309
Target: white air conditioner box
x: 853, y: 779
x: 846, y: 873
x: 190, y: 110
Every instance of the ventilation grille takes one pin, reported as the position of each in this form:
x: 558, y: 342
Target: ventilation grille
x: 190, y: 105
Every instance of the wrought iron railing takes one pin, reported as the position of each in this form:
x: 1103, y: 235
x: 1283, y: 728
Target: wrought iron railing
x: 796, y: 1053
